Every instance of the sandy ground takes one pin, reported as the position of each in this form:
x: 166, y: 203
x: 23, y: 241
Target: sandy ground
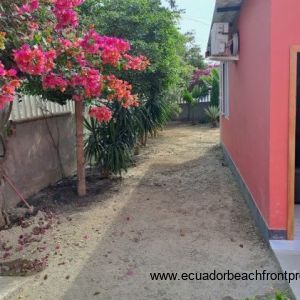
x: 179, y: 210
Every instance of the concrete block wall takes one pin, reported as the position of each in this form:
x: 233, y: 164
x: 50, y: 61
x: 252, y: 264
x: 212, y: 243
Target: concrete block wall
x: 32, y: 161
x: 199, y: 112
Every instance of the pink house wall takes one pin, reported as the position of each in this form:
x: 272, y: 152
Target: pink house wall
x: 246, y: 133
x: 284, y: 34
x: 256, y: 133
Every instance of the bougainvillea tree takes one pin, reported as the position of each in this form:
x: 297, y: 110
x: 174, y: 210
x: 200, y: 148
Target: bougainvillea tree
x: 44, y: 51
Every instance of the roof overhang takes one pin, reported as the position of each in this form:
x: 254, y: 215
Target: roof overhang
x: 226, y: 11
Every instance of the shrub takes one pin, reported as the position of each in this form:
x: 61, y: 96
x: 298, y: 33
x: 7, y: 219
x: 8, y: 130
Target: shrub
x: 187, y: 96
x: 109, y: 146
x: 212, y: 82
x: 213, y: 114
x: 159, y: 111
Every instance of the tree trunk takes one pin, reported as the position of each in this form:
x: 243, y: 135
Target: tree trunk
x: 81, y: 183
x: 4, y: 119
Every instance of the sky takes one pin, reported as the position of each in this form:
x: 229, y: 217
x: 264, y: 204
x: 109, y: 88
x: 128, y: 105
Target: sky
x: 197, y: 18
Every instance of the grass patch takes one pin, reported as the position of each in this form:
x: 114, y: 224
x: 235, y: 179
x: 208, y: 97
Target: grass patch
x: 277, y: 296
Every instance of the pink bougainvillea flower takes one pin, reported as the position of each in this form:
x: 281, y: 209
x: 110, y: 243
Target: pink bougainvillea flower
x: 131, y: 101
x: 112, y: 49
x: 120, y: 90
x: 11, y: 72
x: 29, y: 7
x: 100, y: 113
x: 50, y: 56
x: 65, y: 18
x: 138, y: 63
x: 7, y: 92
x: 65, y: 43
x: 54, y: 81
x: 74, y: 64
x: 90, y: 80
x: 34, y: 61
x: 8, y: 85
x: 33, y: 26
x: 65, y: 14
x: 66, y: 4
x: 130, y: 273
x: 90, y: 42
x: 93, y: 84
x: 34, y: 4
x: 107, y: 42
x: 80, y: 58
x: 110, y: 57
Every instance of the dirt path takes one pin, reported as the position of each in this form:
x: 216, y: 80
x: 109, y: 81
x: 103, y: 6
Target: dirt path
x: 178, y: 210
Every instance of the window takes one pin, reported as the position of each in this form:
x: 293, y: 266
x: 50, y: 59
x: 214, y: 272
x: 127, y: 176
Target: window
x: 224, y: 89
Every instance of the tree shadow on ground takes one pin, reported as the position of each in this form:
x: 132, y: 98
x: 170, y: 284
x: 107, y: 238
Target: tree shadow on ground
x: 185, y: 217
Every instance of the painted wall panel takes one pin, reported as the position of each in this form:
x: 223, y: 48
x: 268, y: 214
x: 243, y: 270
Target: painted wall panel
x: 285, y: 33
x: 245, y: 133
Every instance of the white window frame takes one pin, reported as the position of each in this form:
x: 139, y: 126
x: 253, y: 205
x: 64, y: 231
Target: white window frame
x: 224, y: 89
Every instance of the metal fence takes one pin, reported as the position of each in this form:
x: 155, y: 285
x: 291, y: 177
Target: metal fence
x: 205, y: 99
x: 30, y: 107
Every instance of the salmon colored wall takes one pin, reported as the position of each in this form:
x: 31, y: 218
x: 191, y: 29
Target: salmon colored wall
x: 256, y: 134
x: 285, y: 33
x: 246, y: 133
